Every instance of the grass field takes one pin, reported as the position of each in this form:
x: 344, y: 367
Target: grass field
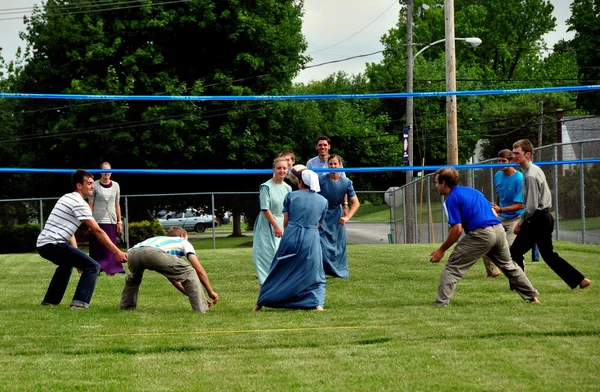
x: 379, y: 331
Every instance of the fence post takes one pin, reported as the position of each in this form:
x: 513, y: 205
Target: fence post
x: 212, y: 207
x: 392, y: 205
x: 555, y: 189
x: 492, y: 198
x: 582, y: 193
x: 429, y: 220
x: 127, y: 222
x: 443, y: 225
x: 415, y: 211
x: 404, y: 212
x: 41, y: 214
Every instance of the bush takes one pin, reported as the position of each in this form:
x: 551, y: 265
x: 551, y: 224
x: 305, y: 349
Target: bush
x: 140, y: 231
x: 19, y: 238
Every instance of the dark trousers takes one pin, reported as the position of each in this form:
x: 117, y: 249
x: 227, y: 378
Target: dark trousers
x: 66, y: 257
x: 538, y: 230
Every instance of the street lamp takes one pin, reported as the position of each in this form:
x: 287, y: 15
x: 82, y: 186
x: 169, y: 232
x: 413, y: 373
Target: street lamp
x: 474, y: 42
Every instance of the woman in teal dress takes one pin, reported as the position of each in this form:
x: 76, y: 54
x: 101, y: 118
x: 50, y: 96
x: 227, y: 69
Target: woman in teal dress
x: 296, y: 279
x: 334, y: 188
x: 268, y: 227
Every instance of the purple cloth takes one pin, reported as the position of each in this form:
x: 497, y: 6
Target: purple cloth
x: 103, y: 256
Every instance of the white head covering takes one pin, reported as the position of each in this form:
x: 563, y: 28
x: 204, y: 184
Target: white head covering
x: 311, y: 180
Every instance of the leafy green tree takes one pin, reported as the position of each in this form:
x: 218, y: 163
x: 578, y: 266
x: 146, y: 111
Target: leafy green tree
x: 209, y: 47
x: 585, y: 15
x: 511, y: 32
x: 356, y: 127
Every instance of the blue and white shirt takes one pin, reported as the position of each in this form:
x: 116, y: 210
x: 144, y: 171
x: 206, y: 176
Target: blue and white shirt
x: 175, y: 246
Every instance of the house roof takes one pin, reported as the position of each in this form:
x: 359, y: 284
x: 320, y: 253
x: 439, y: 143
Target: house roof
x: 582, y: 128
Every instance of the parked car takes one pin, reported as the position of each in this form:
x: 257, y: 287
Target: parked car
x: 191, y: 220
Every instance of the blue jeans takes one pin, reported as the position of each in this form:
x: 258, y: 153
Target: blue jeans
x: 66, y: 257
x: 535, y: 253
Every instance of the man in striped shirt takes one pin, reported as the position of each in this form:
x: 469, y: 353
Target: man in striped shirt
x: 57, y: 244
x: 163, y: 255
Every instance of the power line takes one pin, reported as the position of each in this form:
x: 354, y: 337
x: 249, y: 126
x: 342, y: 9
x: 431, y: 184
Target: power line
x: 107, y: 9
x: 63, y: 7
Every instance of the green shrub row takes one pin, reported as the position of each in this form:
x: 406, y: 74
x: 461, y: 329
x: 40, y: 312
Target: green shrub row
x: 18, y: 238
x: 139, y: 231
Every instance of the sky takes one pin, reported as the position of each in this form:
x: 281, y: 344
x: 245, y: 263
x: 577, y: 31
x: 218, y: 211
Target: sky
x: 334, y: 29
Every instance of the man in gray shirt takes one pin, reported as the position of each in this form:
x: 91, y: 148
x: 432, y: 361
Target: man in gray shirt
x: 537, y: 224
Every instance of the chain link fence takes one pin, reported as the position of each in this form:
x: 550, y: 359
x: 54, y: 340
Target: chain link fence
x: 382, y: 218
x: 575, y: 192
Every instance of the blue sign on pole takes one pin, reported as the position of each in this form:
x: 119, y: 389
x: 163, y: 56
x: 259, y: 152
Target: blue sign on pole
x: 405, y: 156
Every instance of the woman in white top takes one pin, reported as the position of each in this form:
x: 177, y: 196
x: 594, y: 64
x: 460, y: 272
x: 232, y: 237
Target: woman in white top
x: 107, y: 212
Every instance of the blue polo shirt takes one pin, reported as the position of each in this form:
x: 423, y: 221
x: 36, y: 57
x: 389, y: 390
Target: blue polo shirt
x: 470, y: 208
x: 510, y: 191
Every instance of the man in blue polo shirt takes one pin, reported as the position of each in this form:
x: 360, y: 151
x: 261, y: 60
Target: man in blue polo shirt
x: 509, y: 198
x: 484, y: 236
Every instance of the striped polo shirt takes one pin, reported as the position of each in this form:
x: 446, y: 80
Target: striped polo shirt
x: 175, y: 246
x: 64, y: 220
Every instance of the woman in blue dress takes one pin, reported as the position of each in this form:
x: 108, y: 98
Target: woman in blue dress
x: 296, y: 279
x: 334, y: 188
x: 268, y: 227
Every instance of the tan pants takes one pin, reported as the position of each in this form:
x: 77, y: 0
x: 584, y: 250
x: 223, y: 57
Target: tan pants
x: 172, y: 267
x: 489, y: 241
x: 509, y: 226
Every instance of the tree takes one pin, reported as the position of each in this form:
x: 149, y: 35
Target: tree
x: 511, y: 32
x: 211, y: 47
x: 584, y: 22
x: 356, y: 127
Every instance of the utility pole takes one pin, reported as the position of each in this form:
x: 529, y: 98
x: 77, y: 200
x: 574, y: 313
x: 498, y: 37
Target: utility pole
x: 451, y: 117
x: 409, y: 204
x: 540, y: 122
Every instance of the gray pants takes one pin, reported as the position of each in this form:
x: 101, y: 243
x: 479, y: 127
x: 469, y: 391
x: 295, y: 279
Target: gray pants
x: 509, y: 227
x: 491, y: 242
x: 141, y: 259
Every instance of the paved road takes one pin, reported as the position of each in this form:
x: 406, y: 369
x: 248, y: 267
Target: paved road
x: 377, y: 233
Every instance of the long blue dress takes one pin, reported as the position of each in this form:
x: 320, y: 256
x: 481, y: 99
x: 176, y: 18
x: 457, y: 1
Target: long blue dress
x: 264, y: 243
x: 296, y: 279
x: 333, y: 235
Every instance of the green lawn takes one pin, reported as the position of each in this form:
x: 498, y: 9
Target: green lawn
x: 379, y: 331
x: 372, y: 213
x: 222, y: 242
x: 575, y: 224
x: 381, y: 213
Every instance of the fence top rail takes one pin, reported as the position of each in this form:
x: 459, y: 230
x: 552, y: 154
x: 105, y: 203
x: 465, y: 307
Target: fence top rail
x: 164, y: 195
x: 490, y: 163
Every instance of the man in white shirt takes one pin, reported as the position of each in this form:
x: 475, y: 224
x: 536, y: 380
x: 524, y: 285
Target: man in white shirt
x: 57, y: 244
x: 320, y: 161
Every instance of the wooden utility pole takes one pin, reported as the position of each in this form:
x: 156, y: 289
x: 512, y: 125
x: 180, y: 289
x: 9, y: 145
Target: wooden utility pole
x: 408, y: 197
x: 451, y: 117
